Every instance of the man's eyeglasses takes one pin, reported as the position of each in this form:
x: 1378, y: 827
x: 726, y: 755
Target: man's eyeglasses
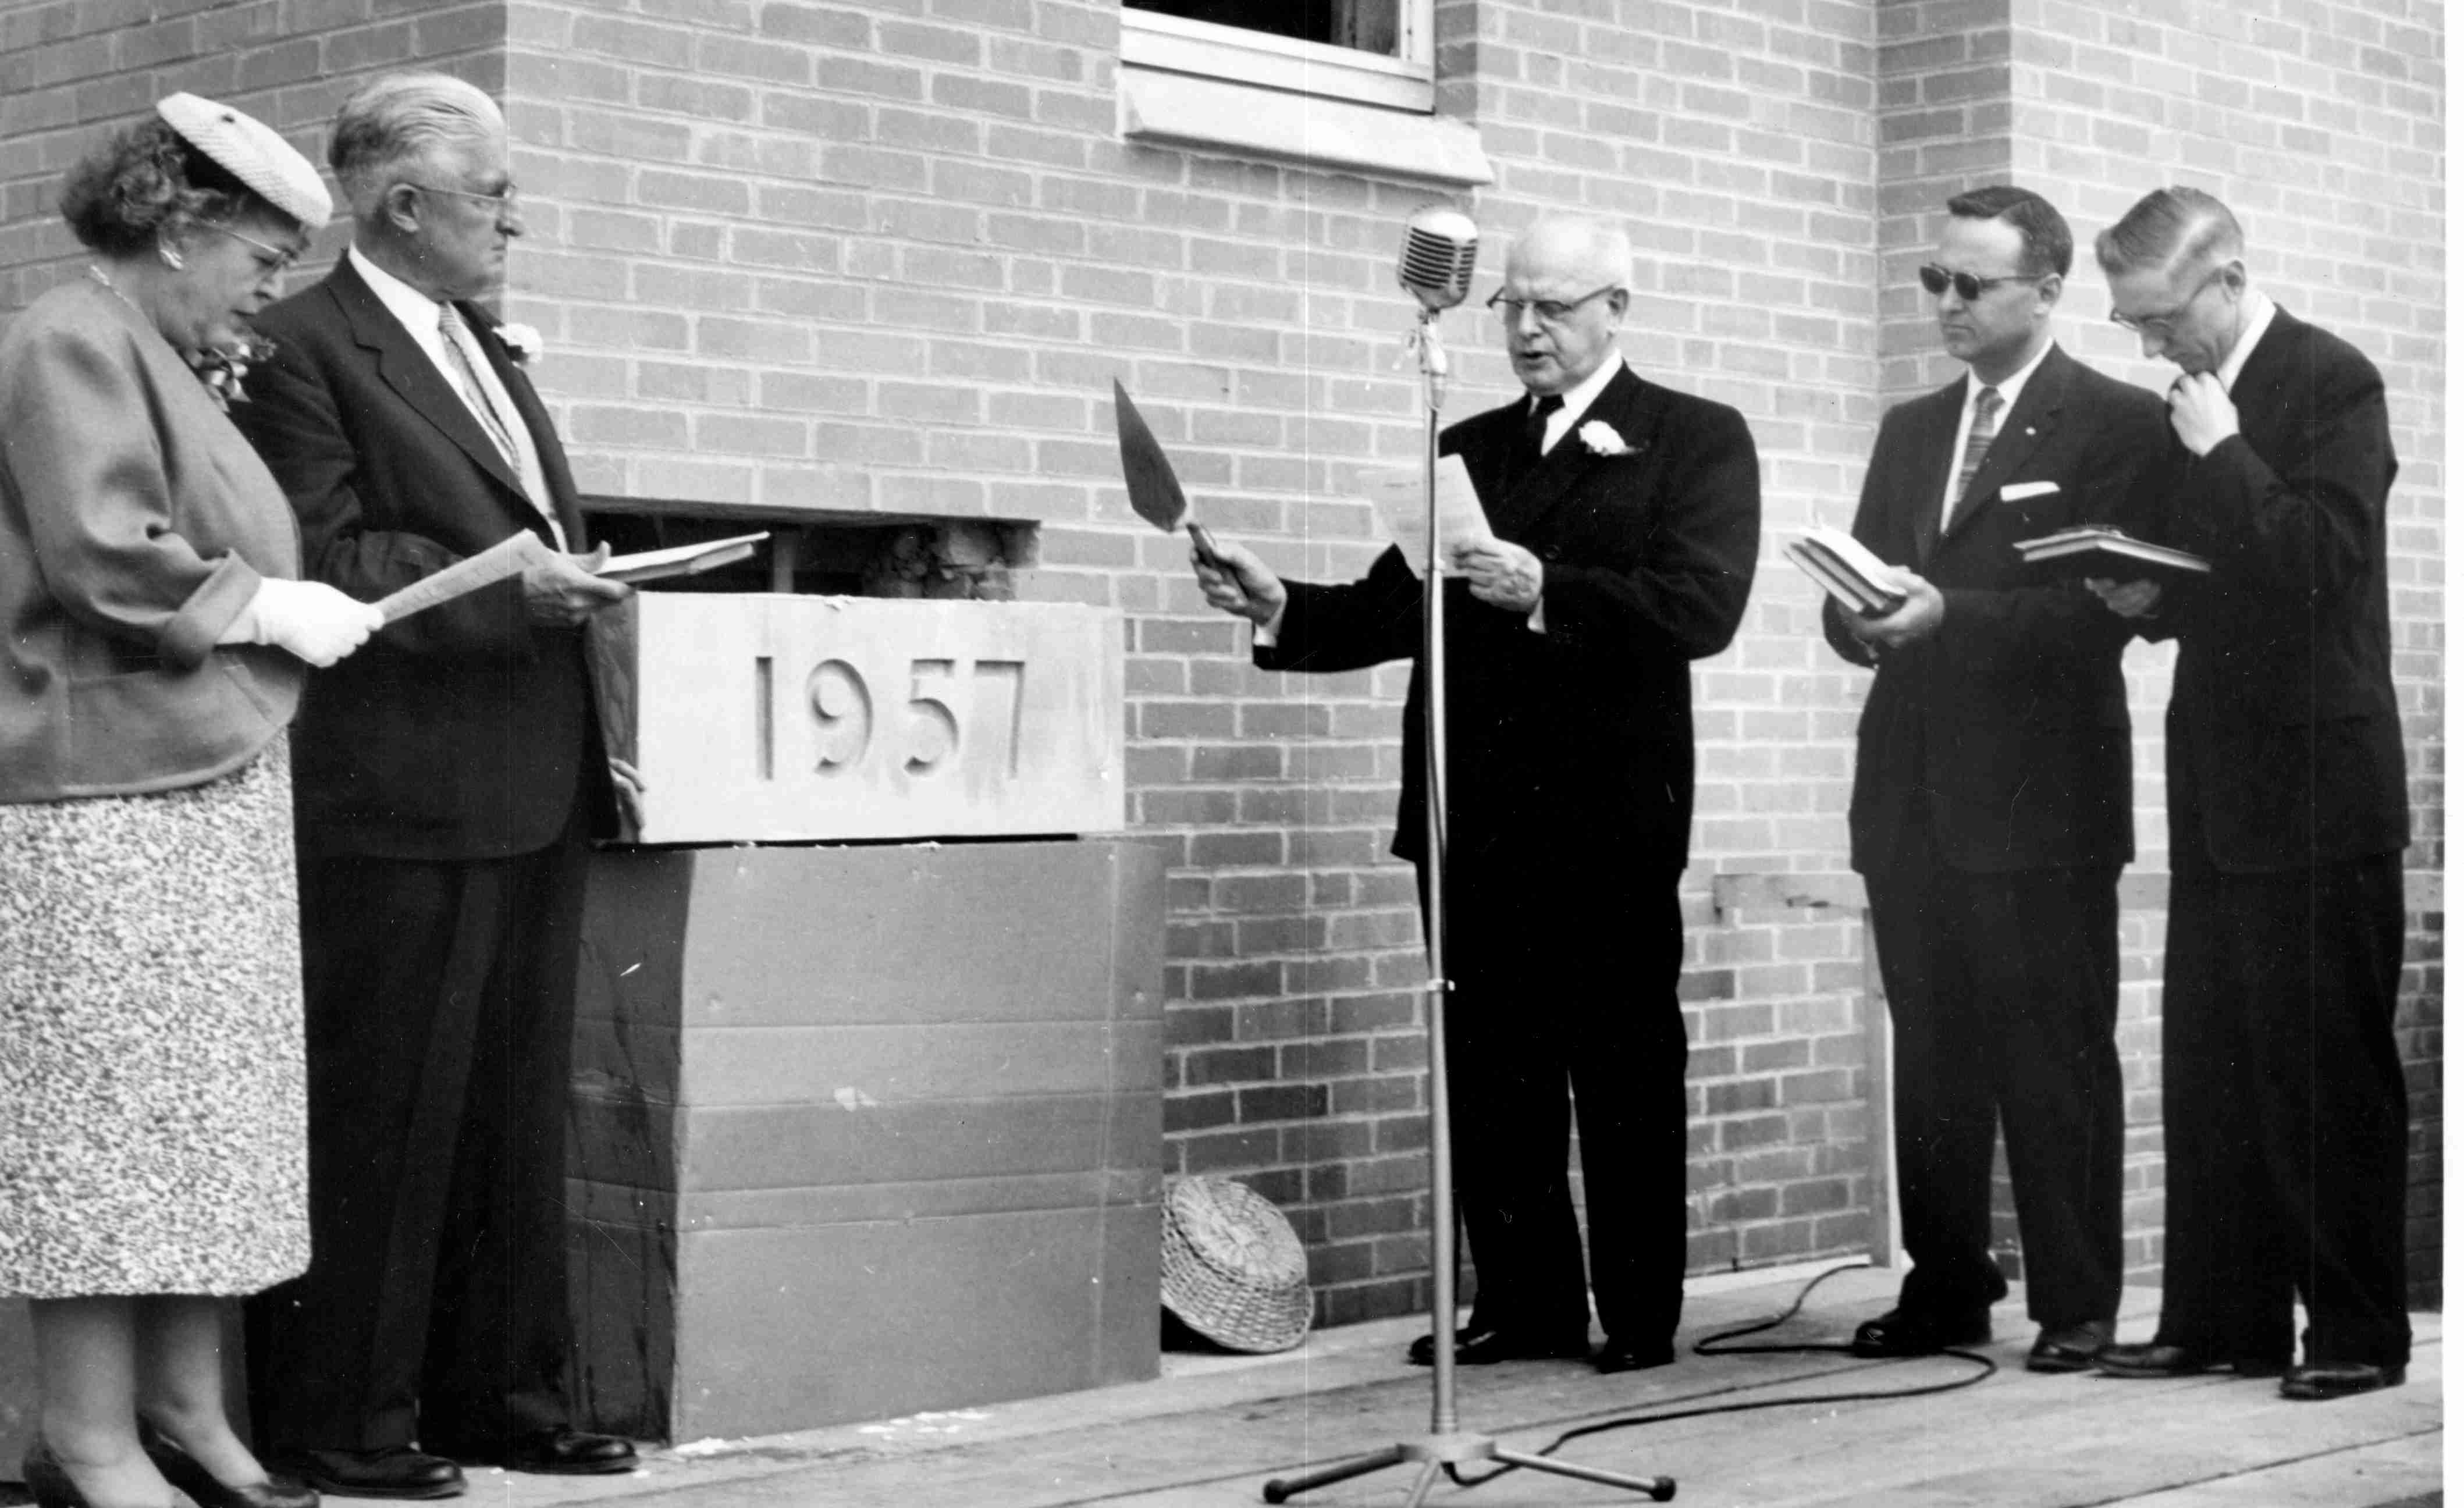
x: 506, y: 198
x: 283, y: 258
x: 2161, y: 326
x: 1968, y: 285
x: 1550, y: 310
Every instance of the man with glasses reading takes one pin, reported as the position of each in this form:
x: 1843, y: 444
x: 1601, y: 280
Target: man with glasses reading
x: 1990, y: 811
x: 1625, y: 517
x: 2284, y: 776
x: 445, y: 788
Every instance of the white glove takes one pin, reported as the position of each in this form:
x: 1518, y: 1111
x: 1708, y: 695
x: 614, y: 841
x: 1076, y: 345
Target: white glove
x: 312, y: 620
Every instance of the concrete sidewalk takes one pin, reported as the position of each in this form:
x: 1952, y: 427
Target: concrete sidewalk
x: 1215, y: 1428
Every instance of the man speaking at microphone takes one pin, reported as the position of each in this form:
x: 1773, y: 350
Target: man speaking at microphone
x: 1625, y: 517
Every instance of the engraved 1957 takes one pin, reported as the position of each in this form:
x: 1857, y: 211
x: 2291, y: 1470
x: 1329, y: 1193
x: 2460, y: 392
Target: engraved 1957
x: 955, y: 714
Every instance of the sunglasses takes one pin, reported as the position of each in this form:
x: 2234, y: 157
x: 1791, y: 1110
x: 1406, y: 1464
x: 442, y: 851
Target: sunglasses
x: 1968, y: 285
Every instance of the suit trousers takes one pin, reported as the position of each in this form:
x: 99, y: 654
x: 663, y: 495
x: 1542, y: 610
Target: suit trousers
x: 2284, y: 1112
x: 440, y: 1026
x: 2002, y: 990
x: 1569, y: 986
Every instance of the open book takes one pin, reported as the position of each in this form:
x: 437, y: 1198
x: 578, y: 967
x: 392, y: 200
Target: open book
x: 2102, y: 551
x: 1847, y: 570
x: 684, y: 559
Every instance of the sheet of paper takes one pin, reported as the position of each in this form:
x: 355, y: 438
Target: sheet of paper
x: 1402, y: 507
x: 509, y: 557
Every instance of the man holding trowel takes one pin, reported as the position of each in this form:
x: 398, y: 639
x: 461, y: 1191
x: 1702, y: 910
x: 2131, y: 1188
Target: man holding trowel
x: 1624, y: 518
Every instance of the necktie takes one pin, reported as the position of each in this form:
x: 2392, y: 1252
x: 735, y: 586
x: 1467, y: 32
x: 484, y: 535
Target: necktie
x: 1980, y: 439
x: 450, y: 325
x: 1535, y: 426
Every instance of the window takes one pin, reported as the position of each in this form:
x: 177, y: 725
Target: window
x: 1376, y: 52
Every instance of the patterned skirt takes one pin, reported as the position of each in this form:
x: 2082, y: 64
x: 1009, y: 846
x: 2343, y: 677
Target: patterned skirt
x: 153, y: 1082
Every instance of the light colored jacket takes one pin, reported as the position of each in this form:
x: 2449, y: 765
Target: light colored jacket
x: 134, y: 526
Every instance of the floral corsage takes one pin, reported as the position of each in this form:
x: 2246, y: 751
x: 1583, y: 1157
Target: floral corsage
x: 221, y: 368
x: 522, y: 342
x: 1601, y: 438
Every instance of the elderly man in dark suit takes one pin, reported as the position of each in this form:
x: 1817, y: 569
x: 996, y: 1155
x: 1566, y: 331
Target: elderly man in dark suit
x: 2284, y: 1099
x: 446, y: 785
x: 1625, y: 517
x: 1990, y: 813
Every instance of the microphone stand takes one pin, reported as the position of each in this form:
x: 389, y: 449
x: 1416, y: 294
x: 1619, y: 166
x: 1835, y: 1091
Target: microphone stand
x: 1446, y: 1444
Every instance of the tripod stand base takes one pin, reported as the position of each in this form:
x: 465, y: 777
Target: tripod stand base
x: 1438, y: 1451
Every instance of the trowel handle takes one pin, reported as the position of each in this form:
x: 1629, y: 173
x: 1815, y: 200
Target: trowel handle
x: 1205, y: 543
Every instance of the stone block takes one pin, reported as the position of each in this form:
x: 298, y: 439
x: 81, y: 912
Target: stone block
x: 760, y: 718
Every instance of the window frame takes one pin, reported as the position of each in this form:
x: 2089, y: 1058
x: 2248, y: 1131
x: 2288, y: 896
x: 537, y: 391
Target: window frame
x: 1209, y: 50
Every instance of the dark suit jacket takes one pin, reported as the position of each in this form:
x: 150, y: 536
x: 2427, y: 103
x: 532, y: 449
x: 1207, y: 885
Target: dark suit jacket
x: 2285, y: 748
x: 459, y: 732
x: 2008, y: 731
x: 1586, y: 730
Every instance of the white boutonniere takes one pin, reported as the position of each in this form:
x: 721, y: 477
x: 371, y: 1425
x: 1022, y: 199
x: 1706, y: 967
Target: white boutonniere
x: 1600, y: 438
x: 522, y: 342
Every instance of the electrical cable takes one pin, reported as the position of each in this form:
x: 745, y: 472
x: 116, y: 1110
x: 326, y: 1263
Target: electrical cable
x: 1714, y: 1346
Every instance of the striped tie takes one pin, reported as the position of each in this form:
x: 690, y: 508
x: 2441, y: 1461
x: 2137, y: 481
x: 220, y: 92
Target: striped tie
x: 1980, y: 439
x: 448, y: 324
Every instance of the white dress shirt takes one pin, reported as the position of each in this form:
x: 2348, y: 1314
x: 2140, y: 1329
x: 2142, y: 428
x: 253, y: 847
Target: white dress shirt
x: 2009, y: 391
x: 2239, y: 355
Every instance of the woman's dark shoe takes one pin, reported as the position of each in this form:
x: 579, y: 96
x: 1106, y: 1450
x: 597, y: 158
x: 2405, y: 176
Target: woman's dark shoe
x: 208, y: 1490
x: 48, y: 1481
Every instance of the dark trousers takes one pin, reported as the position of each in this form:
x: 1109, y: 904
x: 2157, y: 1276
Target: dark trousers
x: 440, y: 1025
x: 1561, y: 987
x: 2284, y: 1112
x: 2002, y: 990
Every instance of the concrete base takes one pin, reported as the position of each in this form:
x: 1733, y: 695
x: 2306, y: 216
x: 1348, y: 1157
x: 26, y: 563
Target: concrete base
x: 863, y: 1130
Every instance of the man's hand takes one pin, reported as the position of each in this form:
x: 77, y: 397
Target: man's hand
x: 562, y: 590
x: 1501, y: 574
x: 1240, y: 583
x: 2128, y: 598
x: 630, y: 790
x: 2203, y: 415
x: 1914, y: 620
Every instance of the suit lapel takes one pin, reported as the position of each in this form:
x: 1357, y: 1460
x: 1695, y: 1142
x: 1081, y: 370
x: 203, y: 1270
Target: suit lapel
x: 1624, y: 405
x: 1937, y: 429
x: 2035, y: 416
x: 407, y: 369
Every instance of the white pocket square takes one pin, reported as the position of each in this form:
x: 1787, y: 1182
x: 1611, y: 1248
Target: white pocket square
x: 2019, y: 492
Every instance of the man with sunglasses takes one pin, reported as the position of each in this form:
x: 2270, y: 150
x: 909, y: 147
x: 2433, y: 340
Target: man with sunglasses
x: 446, y: 788
x: 2284, y: 1099
x: 1990, y: 811
x: 1625, y: 517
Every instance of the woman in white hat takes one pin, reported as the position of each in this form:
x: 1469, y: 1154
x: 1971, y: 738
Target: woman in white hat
x: 152, y: 1120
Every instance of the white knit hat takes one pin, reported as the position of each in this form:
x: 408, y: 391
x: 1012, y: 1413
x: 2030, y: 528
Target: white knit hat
x: 252, y: 152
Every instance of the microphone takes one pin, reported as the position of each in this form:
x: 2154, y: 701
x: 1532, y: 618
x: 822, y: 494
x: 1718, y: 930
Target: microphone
x: 1440, y: 246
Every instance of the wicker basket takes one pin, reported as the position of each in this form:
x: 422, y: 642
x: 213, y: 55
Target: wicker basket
x: 1233, y: 1270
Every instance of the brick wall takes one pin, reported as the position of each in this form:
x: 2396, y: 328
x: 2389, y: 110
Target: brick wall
x: 884, y: 256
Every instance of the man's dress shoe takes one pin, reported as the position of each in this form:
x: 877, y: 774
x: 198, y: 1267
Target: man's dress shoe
x: 558, y: 1453
x: 1632, y: 1356
x: 208, y: 1490
x: 1486, y: 1347
x: 1921, y: 1332
x: 395, y: 1471
x: 2157, y: 1359
x: 2339, y: 1379
x: 2069, y: 1347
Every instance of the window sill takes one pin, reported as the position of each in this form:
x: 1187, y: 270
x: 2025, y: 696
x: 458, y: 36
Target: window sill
x: 1165, y: 109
